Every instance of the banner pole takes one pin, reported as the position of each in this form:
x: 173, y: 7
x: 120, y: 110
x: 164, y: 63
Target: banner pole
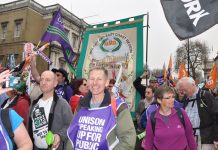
x: 38, y: 45
x: 188, y: 57
x: 146, y: 58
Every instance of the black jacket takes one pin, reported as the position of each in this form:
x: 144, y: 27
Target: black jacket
x: 208, y: 113
x: 139, y: 87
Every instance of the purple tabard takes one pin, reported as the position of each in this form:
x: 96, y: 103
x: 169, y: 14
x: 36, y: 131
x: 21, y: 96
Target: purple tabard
x: 90, y: 128
x: 4, y: 144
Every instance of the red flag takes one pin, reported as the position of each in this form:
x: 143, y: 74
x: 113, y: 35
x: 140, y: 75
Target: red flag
x: 182, y: 71
x: 211, y: 81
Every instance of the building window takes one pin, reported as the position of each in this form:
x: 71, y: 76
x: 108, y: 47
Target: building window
x: 74, y: 38
x: 4, y: 30
x: 62, y: 62
x: 67, y: 32
x: 17, y: 30
x: 11, y: 60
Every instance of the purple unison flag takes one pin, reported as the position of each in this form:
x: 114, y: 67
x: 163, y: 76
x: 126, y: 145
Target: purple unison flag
x: 160, y: 79
x: 189, y: 18
x: 56, y: 32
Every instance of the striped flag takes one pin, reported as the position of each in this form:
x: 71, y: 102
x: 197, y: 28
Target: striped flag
x: 56, y: 32
x: 160, y: 79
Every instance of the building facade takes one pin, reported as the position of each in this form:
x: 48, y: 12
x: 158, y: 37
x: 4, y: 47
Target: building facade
x: 26, y: 21
x: 207, y: 66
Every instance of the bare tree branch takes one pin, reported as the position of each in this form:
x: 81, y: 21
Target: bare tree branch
x: 198, y: 53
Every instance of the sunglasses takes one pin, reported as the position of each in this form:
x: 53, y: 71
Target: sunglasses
x: 58, y: 75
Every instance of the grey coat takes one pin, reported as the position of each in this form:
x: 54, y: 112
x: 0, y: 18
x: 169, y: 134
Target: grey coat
x: 59, y: 120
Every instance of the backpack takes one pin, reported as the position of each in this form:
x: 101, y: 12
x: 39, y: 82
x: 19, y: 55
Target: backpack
x: 5, y: 118
x: 178, y: 112
x: 200, y: 96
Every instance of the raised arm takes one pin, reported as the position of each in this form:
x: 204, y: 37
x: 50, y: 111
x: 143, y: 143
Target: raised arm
x: 34, y: 70
x: 138, y: 86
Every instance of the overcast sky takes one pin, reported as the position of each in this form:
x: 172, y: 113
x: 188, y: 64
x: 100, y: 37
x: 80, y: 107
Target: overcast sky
x: 162, y: 41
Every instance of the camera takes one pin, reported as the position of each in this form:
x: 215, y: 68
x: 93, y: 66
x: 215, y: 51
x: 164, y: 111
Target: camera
x: 13, y: 82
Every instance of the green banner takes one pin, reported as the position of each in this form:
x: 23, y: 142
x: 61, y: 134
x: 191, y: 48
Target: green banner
x: 112, y: 44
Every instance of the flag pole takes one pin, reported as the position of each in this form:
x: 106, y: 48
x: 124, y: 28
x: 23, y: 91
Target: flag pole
x: 38, y: 44
x: 188, y: 57
x: 146, y: 59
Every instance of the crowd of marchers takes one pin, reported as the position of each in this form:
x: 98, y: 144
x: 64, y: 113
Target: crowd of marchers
x: 88, y: 114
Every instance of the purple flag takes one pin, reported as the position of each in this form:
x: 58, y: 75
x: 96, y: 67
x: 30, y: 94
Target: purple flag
x: 160, y: 79
x: 56, y: 32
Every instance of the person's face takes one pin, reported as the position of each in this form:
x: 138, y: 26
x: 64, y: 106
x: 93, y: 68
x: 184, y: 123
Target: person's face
x: 83, y: 88
x: 149, y: 94
x: 181, y: 93
x: 153, y: 83
x: 167, y: 100
x: 97, y: 82
x: 187, y: 88
x: 48, y: 82
x: 110, y: 86
x: 60, y: 77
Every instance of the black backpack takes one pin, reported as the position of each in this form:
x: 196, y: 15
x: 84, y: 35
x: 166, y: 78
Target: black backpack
x: 178, y: 112
x: 5, y: 118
